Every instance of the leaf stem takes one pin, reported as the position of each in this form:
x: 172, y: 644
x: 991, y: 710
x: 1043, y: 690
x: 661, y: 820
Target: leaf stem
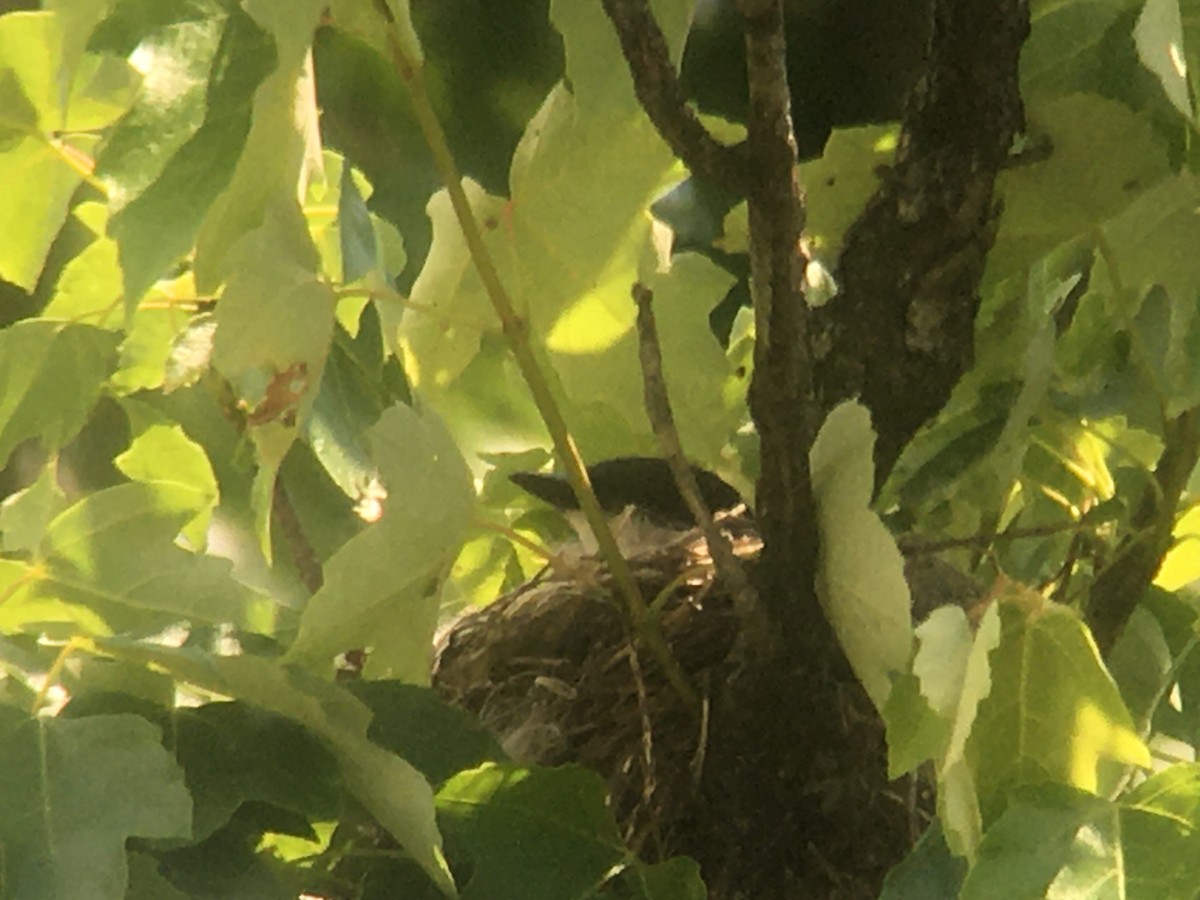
x: 516, y: 331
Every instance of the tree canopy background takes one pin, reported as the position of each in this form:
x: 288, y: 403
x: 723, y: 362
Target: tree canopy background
x: 290, y: 287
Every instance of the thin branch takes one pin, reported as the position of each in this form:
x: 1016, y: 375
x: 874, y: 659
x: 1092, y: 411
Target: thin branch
x: 656, y: 84
x: 662, y: 420
x: 915, y: 546
x: 517, y: 334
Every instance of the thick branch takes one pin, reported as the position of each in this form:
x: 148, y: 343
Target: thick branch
x: 1121, y: 586
x: 656, y: 84
x: 781, y: 395
x: 900, y: 336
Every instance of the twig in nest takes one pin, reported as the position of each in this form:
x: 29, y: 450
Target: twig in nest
x: 662, y: 420
x: 649, y: 781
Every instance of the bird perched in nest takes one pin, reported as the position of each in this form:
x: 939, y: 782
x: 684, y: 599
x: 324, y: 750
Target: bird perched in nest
x: 638, y: 493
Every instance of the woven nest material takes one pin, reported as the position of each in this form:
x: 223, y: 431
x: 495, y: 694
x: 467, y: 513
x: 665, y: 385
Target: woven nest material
x: 781, y: 792
x: 553, y: 671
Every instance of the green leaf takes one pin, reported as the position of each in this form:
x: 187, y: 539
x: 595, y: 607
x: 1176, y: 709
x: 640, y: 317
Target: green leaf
x: 146, y: 882
x: 115, y: 550
x: 50, y: 378
x: 191, y: 353
x: 359, y: 248
x: 1160, y: 826
x: 929, y: 871
x: 20, y: 118
x: 281, y: 146
x: 542, y: 834
x: 1041, y: 844
x: 77, y: 19
x: 25, y: 515
x: 162, y: 452
x: 165, y: 164
x: 39, y: 169
x: 1149, y: 244
x: 1142, y: 666
x: 958, y: 798
x: 71, y: 793
x: 1062, y: 53
x: 275, y: 313
x: 232, y: 753
x: 387, y: 786
x: 569, y: 246
x: 674, y: 879
x: 1151, y: 241
x: 378, y: 589
x: 89, y: 287
x: 860, y: 573
x: 1158, y: 36
x: 1074, y: 191
x: 915, y: 733
x: 839, y: 183
x: 348, y: 402
x: 1053, y: 712
x: 439, y: 333
x: 413, y: 722
x: 367, y: 22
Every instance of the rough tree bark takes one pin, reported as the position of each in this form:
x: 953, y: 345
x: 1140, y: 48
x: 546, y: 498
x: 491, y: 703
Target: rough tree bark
x: 804, y: 802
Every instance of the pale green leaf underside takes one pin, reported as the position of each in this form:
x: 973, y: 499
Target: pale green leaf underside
x: 860, y: 574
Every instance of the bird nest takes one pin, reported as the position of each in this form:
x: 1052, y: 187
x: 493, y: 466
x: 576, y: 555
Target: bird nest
x: 784, y: 796
x: 553, y: 670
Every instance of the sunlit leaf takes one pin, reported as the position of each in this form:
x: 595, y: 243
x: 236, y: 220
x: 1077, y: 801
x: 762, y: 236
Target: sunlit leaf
x: 1053, y: 712
x: 50, y: 377
x: 1159, y: 39
x: 25, y: 514
x: 273, y: 164
x: 115, y: 550
x: 385, y: 575
x: 167, y: 161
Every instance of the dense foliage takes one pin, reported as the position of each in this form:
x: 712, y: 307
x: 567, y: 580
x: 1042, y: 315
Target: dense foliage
x: 257, y: 410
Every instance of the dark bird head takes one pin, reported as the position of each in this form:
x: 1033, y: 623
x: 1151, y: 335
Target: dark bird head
x: 638, y: 490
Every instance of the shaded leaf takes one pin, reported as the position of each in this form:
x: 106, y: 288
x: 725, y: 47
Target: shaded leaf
x: 543, y: 834
x: 1049, y: 835
x: 413, y: 722
x: 386, y: 785
x: 71, y: 792
x: 25, y: 515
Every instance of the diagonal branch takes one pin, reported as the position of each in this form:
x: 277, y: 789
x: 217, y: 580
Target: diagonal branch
x: 1121, y: 586
x: 656, y: 84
